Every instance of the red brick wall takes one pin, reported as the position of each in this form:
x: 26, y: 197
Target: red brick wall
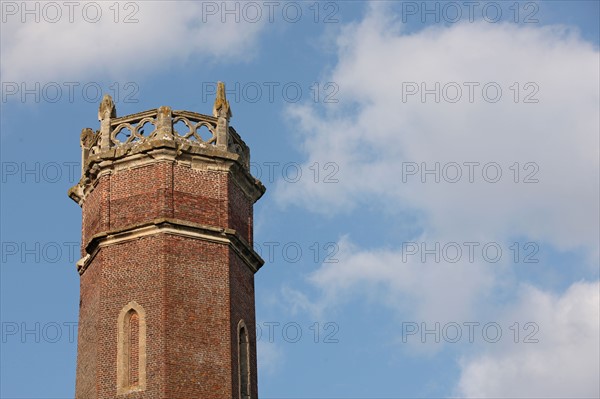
x: 200, y: 196
x: 87, y: 337
x: 240, y: 211
x: 140, y: 194
x: 165, y: 190
x: 95, y: 212
x: 241, y: 281
x: 197, y: 316
x: 131, y: 271
x: 194, y: 292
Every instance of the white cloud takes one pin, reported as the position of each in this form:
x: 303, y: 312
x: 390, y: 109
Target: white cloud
x: 166, y: 33
x: 372, y: 133
x: 565, y: 361
x: 425, y: 290
x: 270, y: 356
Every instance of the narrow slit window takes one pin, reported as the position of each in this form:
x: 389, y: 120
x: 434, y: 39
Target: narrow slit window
x: 244, y: 361
x: 131, y: 350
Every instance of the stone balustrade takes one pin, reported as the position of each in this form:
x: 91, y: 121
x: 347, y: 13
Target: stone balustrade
x: 188, y: 131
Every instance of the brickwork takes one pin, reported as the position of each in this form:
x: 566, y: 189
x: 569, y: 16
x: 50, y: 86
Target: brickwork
x: 131, y: 271
x: 87, y: 337
x: 198, y: 363
x: 167, y: 190
x: 172, y: 234
x: 199, y: 196
x: 242, y: 308
x: 239, y: 211
x: 140, y: 194
x: 95, y: 213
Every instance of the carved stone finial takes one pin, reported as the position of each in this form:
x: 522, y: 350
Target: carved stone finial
x: 87, y: 138
x: 221, y: 107
x: 164, y: 123
x: 107, y: 108
x: 106, y: 111
x: 222, y: 112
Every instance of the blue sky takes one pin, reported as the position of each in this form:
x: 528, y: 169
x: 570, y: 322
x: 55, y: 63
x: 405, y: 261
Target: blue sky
x: 431, y: 218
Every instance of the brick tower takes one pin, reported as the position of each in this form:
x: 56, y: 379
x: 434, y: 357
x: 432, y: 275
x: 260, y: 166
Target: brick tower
x: 167, y: 269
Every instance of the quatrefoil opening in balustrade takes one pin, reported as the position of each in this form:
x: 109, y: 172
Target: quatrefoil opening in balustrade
x: 126, y: 133
x: 199, y: 132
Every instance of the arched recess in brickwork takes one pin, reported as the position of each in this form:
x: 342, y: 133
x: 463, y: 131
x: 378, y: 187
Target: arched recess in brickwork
x: 243, y: 360
x: 131, y: 349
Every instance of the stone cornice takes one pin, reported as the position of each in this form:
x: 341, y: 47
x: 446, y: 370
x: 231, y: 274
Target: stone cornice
x: 163, y: 133
x: 158, y: 150
x: 174, y: 227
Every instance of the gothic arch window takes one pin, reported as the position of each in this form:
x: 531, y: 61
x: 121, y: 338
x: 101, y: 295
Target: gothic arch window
x: 131, y: 349
x: 243, y: 360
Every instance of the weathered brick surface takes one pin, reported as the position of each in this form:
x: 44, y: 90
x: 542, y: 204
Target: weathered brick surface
x: 241, y: 281
x: 239, y: 211
x: 87, y: 337
x: 132, y: 271
x: 95, y: 212
x: 197, y: 317
x: 140, y: 194
x: 194, y: 290
x: 200, y: 196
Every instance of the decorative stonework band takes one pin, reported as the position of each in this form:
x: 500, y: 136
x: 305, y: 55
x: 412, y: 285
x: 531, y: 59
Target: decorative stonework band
x: 174, y: 227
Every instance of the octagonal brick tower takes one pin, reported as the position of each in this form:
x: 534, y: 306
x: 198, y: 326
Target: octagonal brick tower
x: 167, y: 269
